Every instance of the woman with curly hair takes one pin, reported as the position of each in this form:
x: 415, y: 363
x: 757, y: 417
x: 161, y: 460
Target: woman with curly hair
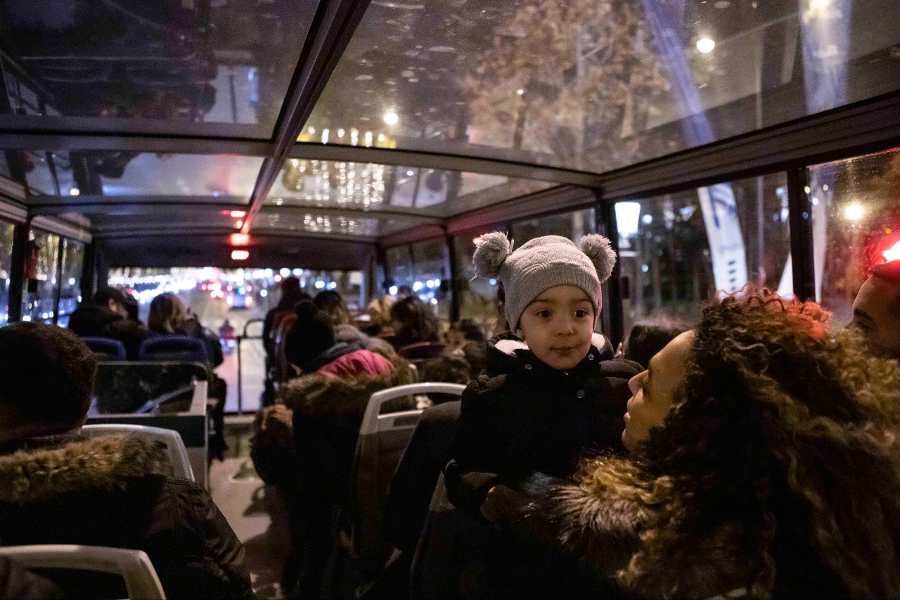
x: 763, y: 462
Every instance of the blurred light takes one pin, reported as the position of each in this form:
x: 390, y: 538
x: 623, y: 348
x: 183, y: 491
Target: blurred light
x: 825, y: 188
x: 285, y: 272
x: 74, y: 191
x: 627, y: 215
x: 892, y: 253
x: 263, y: 293
x: 492, y: 281
x: 647, y: 219
x: 645, y: 268
x: 410, y: 173
x: 320, y: 284
x: 278, y: 278
x: 520, y: 92
x: 238, y: 239
x: 806, y: 189
x: 854, y: 211
x: 297, y: 272
x: 393, y: 290
x: 706, y: 45
x: 391, y: 117
x: 417, y: 286
x: 332, y: 285
x: 325, y: 133
x: 71, y: 281
x: 238, y: 214
x: 238, y: 224
x: 434, y: 301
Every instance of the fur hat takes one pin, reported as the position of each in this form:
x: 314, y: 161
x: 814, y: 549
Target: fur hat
x: 311, y: 335
x: 543, y: 263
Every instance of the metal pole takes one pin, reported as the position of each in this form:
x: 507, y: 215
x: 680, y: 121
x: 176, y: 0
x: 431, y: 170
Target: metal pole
x: 800, y: 214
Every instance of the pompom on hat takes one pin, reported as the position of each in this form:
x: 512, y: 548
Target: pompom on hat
x: 543, y: 263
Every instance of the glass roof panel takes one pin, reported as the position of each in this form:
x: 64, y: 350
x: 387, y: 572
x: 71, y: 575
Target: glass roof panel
x: 375, y: 187
x: 214, y: 178
x: 118, y: 218
x: 598, y: 84
x: 190, y: 67
x: 312, y: 221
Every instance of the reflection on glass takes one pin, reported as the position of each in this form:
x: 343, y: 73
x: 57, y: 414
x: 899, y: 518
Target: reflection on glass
x: 573, y: 225
x: 144, y: 63
x: 369, y: 186
x: 477, y: 296
x: 72, y: 264
x: 430, y: 275
x: 40, y: 296
x: 315, y: 222
x: 854, y: 205
x: 399, y: 270
x: 675, y: 250
x: 598, y: 84
x: 102, y: 173
x: 6, y: 244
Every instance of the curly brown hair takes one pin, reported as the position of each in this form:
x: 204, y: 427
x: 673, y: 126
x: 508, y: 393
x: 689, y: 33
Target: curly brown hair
x: 781, y: 447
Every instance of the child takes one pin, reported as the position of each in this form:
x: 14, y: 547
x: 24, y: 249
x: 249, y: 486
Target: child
x: 544, y: 403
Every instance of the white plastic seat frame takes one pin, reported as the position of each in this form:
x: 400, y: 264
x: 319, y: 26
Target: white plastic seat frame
x: 181, y: 463
x: 372, y: 416
x: 134, y: 566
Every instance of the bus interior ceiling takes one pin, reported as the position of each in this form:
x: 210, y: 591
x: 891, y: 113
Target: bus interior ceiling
x: 717, y: 144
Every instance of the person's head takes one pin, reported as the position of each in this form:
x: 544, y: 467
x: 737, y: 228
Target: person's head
x: 876, y: 310
x: 552, y: 290
x: 291, y: 293
x: 332, y: 303
x: 48, y: 376
x: 413, y: 322
x: 167, y: 314
x: 647, y: 338
x: 447, y: 369
x: 310, y: 336
x: 132, y: 307
x: 763, y: 424
x: 113, y: 299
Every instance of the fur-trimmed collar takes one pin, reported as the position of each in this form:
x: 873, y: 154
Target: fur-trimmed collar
x: 510, y: 345
x: 102, y: 464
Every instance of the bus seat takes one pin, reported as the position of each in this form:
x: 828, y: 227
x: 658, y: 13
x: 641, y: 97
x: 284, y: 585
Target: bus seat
x: 421, y: 351
x: 173, y: 348
x: 106, y: 348
x: 123, y: 387
x: 382, y: 440
x: 135, y: 568
x: 181, y: 464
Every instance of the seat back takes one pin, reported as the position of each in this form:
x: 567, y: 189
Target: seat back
x: 382, y: 440
x: 421, y: 351
x: 133, y: 566
x: 124, y: 387
x: 174, y: 348
x: 105, y: 348
x: 181, y: 464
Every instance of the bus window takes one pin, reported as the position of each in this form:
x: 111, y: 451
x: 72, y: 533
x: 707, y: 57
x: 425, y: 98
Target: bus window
x: 6, y: 244
x: 70, y: 279
x: 430, y: 275
x: 477, y: 296
x: 676, y: 249
x: 399, y: 267
x: 854, y: 204
x: 40, y: 297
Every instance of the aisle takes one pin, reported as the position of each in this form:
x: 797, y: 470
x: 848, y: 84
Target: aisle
x: 249, y: 508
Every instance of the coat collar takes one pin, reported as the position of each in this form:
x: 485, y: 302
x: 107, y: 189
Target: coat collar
x: 505, y: 355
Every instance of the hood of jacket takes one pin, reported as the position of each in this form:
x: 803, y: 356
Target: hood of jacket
x: 102, y: 465
x: 325, y: 396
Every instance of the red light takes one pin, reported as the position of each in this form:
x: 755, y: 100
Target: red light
x: 240, y: 255
x: 238, y: 214
x: 893, y: 253
x: 238, y: 239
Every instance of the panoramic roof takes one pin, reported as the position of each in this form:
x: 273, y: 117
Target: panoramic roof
x: 361, y: 119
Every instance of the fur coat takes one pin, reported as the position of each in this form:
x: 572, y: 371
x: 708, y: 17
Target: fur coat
x: 117, y: 491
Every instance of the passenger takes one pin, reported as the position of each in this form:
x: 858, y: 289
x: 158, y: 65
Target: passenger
x: 169, y: 316
x: 62, y: 488
x: 291, y: 294
x: 448, y: 369
x: 412, y: 322
x: 328, y: 402
x: 464, y: 330
x: 107, y: 315
x: 764, y: 464
x: 333, y: 304
x: 545, y: 402
x: 647, y: 338
x: 876, y: 310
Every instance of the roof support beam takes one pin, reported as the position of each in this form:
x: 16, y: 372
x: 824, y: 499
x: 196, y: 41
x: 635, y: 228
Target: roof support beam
x: 330, y: 33
x: 52, y: 141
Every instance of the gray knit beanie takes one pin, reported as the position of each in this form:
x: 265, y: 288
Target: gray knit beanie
x: 543, y: 263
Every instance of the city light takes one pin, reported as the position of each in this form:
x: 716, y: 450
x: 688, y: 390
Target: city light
x: 238, y: 239
x: 391, y: 118
x: 74, y: 191
x: 854, y: 211
x: 627, y: 217
x: 240, y: 255
x: 238, y: 214
x: 520, y: 92
x: 706, y: 45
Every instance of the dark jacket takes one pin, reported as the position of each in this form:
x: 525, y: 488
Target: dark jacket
x: 523, y: 416
x: 116, y: 491
x: 193, y: 328
x: 91, y: 320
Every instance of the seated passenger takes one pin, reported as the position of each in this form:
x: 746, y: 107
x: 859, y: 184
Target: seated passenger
x: 649, y: 337
x: 169, y: 316
x: 108, y: 316
x: 876, y: 310
x: 333, y: 305
x: 62, y: 488
x: 545, y: 402
x: 412, y: 322
x: 764, y: 463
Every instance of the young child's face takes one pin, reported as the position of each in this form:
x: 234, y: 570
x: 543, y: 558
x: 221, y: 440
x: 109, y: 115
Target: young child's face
x: 558, y: 325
